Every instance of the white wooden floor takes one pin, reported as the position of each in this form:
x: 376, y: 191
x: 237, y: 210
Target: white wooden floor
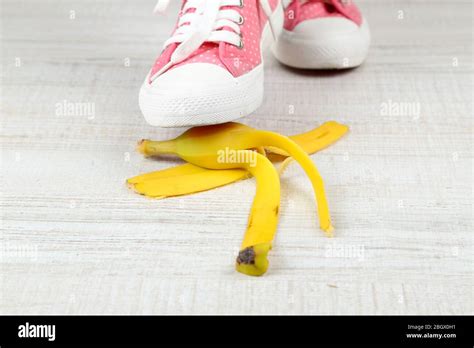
x: 76, y: 240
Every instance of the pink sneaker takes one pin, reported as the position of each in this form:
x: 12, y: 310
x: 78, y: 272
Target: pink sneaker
x: 211, y: 69
x: 323, y: 34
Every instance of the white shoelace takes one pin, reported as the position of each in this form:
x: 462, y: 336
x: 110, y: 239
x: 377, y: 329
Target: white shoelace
x: 202, y: 21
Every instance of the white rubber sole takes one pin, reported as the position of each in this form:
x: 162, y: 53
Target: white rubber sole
x: 329, y: 43
x: 209, y: 100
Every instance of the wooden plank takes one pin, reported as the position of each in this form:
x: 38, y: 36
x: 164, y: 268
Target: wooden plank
x: 75, y: 240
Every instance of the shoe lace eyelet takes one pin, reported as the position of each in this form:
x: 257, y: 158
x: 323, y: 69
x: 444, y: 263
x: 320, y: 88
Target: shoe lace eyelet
x: 241, y: 20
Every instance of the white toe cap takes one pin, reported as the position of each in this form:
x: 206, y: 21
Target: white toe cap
x: 323, y: 28
x: 194, y: 76
x: 198, y: 94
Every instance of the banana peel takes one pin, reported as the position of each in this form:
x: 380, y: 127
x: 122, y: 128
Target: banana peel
x: 183, y: 180
x: 202, y: 147
x: 188, y: 178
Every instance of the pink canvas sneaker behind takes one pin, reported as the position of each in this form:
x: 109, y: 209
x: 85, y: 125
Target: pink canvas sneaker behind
x: 211, y: 69
x: 322, y: 34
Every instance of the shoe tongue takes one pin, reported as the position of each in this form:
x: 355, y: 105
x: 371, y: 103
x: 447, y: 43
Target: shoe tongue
x: 348, y: 9
x: 321, y: 6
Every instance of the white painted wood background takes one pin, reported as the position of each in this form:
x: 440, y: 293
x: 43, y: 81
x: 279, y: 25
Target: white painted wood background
x: 76, y: 240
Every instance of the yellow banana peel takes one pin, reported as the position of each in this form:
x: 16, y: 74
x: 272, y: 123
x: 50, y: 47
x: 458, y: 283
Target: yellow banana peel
x: 203, y: 149
x: 181, y: 180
